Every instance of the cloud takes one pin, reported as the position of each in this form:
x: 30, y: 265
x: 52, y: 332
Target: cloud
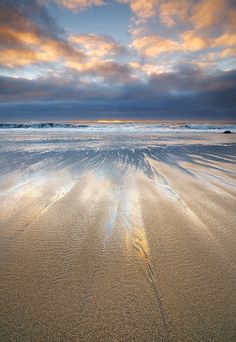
x: 194, y: 14
x: 47, y: 51
x: 198, y: 24
x: 154, y: 45
x: 46, y: 89
x: 75, y: 5
x: 109, y: 72
x: 201, y: 14
x: 92, y: 71
x: 200, y: 27
x: 227, y: 39
x: 25, y: 42
x: 97, y: 45
x: 142, y: 8
x: 179, y: 86
x: 173, y: 12
x: 100, y: 64
x: 144, y: 70
x: 229, y: 52
x: 28, y: 15
x: 193, y: 42
x: 28, y: 35
x: 187, y: 93
x: 207, y: 13
x: 189, y: 41
x: 231, y: 23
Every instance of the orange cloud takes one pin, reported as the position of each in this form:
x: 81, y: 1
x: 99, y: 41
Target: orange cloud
x: 79, y: 4
x: 207, y: 13
x: 147, y: 69
x: 97, y: 46
x: 12, y: 58
x: 193, y: 42
x: 154, y: 45
x: 102, y: 69
x: 142, y: 8
x: 28, y: 48
x: 229, y: 52
x: 232, y: 20
x: 99, y: 52
x: 23, y: 43
x: 24, y: 37
x: 227, y: 39
x: 172, y: 12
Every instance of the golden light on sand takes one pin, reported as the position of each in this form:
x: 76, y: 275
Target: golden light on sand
x: 108, y: 238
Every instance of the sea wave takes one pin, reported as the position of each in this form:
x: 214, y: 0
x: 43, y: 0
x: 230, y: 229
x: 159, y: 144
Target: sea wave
x: 40, y: 125
x: 125, y: 127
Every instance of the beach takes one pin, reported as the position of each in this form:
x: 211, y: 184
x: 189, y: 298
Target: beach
x: 117, y: 234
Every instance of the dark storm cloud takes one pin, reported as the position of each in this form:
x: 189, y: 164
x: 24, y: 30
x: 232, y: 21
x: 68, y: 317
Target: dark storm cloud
x: 20, y: 89
x: 186, y: 93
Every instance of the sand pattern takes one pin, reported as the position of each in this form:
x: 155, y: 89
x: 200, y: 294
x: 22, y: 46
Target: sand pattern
x: 117, y: 237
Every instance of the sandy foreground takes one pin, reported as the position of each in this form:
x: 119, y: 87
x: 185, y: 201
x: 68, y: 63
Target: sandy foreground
x: 117, y: 238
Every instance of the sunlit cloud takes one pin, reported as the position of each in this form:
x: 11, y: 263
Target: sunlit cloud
x: 154, y: 45
x: 97, y: 45
x: 173, y: 12
x: 107, y: 71
x: 38, y: 51
x: 167, y: 46
x: 79, y: 4
x: 227, y: 39
x: 229, y: 52
x: 142, y: 8
x: 145, y: 70
x: 193, y: 42
x: 231, y: 23
x: 207, y: 13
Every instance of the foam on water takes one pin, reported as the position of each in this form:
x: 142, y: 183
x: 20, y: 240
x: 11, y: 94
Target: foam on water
x: 125, y: 126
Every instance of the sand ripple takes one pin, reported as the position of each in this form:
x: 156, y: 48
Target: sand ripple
x: 117, y: 238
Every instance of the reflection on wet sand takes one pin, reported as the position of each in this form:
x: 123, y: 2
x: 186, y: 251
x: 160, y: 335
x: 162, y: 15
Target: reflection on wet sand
x: 117, y: 239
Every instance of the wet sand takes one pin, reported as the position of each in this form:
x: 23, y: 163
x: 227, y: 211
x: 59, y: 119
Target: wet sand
x: 117, y: 237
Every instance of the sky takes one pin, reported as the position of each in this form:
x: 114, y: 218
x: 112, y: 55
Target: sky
x: 117, y: 59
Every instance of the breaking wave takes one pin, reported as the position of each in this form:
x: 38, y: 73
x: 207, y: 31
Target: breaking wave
x: 40, y: 125
x: 126, y: 126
